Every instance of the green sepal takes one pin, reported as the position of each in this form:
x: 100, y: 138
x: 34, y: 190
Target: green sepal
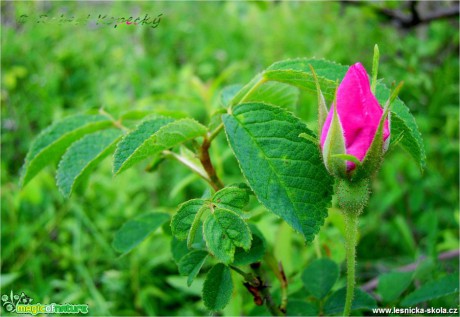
x: 322, y: 108
x: 374, y: 156
x: 348, y: 157
x: 333, y: 145
x: 375, y: 68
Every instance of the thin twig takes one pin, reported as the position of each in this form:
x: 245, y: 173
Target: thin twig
x: 188, y: 164
x: 258, y: 288
x: 116, y: 123
x: 263, y: 288
x: 284, y: 289
x: 214, y: 133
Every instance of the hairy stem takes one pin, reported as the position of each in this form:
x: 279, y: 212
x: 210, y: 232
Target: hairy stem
x: 351, y: 233
x: 205, y: 160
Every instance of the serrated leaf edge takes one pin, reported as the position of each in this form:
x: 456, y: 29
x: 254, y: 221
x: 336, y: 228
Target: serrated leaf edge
x: 101, y: 154
x: 150, y: 138
x: 29, y: 160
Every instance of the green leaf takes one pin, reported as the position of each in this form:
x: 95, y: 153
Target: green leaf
x: 82, y: 156
x: 190, y: 264
x: 228, y: 93
x: 392, y: 285
x: 135, y: 114
x: 277, y: 94
x: 218, y: 287
x: 402, y: 121
x: 297, y: 72
x: 135, y: 231
x: 179, y: 282
x: 320, y: 276
x: 178, y: 249
x: 224, y: 230
x: 126, y: 149
x: 8, y: 278
x: 336, y: 302
x: 446, y: 285
x: 297, y: 307
x: 247, y: 89
x: 182, y: 221
x: 255, y: 253
x: 195, y: 225
x: 152, y: 137
x: 285, y: 171
x: 52, y: 142
x: 231, y: 197
x: 411, y: 140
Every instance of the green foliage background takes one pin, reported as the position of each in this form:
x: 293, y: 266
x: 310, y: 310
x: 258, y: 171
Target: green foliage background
x: 59, y: 250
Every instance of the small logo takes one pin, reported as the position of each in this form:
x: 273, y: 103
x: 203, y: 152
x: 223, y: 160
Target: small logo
x: 10, y: 302
x: 21, y: 304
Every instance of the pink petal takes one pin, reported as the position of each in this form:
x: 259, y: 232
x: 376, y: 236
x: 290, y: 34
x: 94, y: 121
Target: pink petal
x: 359, y: 113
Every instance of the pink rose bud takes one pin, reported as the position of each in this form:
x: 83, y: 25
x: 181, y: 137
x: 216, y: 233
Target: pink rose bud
x: 352, y: 131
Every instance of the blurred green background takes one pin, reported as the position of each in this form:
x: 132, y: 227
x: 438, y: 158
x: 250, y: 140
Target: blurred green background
x: 59, y: 250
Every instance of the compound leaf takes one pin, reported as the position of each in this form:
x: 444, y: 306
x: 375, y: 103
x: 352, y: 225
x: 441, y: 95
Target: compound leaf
x: 152, y: 137
x: 285, y: 171
x: 124, y: 156
x: 52, y: 142
x: 135, y: 231
x: 224, y: 230
x: 297, y: 307
x: 297, y: 72
x: 277, y: 94
x: 391, y: 285
x: 255, y: 253
x: 190, y: 264
x: 217, y: 287
x: 320, y: 276
x: 228, y: 93
x: 403, y: 122
x: 336, y: 302
x: 446, y: 285
x: 231, y: 197
x: 82, y: 156
x: 182, y: 221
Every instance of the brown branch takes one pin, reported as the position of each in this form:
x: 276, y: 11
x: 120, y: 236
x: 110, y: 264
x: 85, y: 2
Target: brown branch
x: 407, y: 21
x: 205, y: 160
x: 284, y: 289
x: 261, y: 292
x: 372, y: 284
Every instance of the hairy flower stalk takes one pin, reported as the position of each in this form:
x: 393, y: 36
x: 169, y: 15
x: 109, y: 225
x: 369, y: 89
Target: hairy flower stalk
x: 355, y: 135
